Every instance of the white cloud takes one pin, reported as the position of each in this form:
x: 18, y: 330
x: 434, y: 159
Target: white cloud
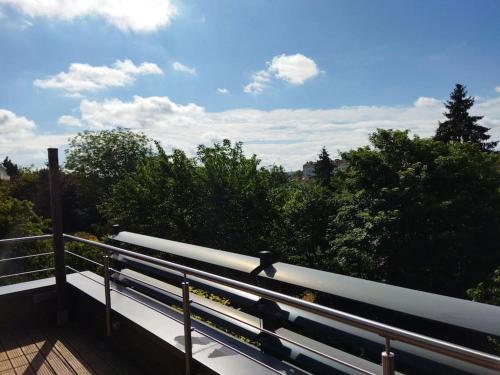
x: 21, y: 140
x: 85, y: 77
x: 131, y: 15
x: 69, y: 121
x: 223, y: 91
x: 288, y: 137
x: 283, y: 136
x: 260, y: 81
x: 497, y: 89
x: 178, y: 67
x: 424, y: 101
x: 295, y: 69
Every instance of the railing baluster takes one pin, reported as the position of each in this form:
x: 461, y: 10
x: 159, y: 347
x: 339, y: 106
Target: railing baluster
x: 107, y: 295
x: 387, y: 359
x: 188, y: 346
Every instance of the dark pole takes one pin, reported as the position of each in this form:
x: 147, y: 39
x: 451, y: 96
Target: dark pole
x: 57, y: 231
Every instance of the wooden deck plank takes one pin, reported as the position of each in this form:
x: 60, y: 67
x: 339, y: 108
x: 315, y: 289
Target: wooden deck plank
x: 46, y: 347
x: 56, y: 351
x: 86, y: 350
x: 108, y: 355
x: 5, y: 365
x: 37, y: 362
x: 73, y: 359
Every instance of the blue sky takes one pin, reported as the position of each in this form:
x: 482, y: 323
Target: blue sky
x: 324, y: 72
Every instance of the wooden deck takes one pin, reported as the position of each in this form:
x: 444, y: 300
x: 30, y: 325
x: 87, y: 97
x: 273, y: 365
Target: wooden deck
x: 48, y: 351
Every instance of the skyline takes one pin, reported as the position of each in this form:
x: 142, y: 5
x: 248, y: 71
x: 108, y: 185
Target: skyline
x: 284, y: 78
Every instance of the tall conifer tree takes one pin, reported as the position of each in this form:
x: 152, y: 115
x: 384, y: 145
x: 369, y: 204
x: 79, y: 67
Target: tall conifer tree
x: 323, y: 168
x: 460, y: 126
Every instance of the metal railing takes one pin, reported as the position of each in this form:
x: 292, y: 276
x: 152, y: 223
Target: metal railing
x: 384, y: 330
x: 30, y: 256
x: 390, y: 333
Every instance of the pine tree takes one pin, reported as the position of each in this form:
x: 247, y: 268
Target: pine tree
x: 460, y: 126
x: 12, y: 169
x: 323, y: 168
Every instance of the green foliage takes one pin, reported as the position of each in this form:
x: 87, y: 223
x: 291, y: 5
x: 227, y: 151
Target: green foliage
x: 460, y: 126
x: 12, y: 169
x: 17, y: 218
x: 418, y: 213
x: 323, y: 168
x: 302, y: 212
x: 33, y: 185
x: 218, y: 199
x: 99, y: 160
x: 415, y: 212
x: 102, y: 158
x: 487, y: 291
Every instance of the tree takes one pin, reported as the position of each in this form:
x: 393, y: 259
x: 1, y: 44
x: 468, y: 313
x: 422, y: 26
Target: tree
x: 79, y: 212
x: 460, y: 126
x: 12, y: 169
x: 218, y: 199
x: 17, y: 218
x: 418, y: 213
x: 102, y: 158
x: 301, y: 217
x: 487, y: 291
x: 323, y: 168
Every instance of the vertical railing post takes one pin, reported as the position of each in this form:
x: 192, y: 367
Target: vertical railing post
x: 387, y: 359
x: 107, y: 295
x: 186, y: 308
x: 57, y: 231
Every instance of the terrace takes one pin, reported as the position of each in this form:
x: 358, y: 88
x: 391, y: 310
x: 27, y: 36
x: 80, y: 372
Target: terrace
x: 141, y: 306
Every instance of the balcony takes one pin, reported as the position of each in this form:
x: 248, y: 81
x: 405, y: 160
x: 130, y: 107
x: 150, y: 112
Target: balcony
x: 149, y: 305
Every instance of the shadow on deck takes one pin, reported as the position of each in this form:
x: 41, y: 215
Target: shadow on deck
x: 53, y: 350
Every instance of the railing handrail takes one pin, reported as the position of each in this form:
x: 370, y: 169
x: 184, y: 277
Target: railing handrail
x: 25, y: 239
x: 389, y: 332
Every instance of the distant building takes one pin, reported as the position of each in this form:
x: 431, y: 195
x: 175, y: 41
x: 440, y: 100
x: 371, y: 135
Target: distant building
x: 340, y: 164
x: 3, y: 174
x: 308, y: 170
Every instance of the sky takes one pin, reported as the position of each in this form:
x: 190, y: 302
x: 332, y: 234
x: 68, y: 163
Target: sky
x: 284, y: 77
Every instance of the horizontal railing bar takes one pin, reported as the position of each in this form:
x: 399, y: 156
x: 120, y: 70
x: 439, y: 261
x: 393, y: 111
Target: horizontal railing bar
x: 144, y: 282
x: 149, y: 306
x: 274, y: 334
x: 86, y: 259
x: 25, y: 256
x: 26, y: 273
x: 393, y: 333
x: 25, y: 239
x: 219, y: 341
x: 81, y: 273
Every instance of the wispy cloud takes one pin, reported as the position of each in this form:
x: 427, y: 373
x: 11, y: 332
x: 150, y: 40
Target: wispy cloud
x: 260, y: 81
x: 223, y: 91
x: 87, y: 78
x: 179, y: 67
x: 284, y: 136
x: 20, y: 139
x: 131, y: 15
x: 294, y: 69
x: 288, y: 137
x: 69, y: 121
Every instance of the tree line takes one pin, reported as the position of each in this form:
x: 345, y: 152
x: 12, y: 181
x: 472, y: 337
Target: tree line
x: 422, y: 213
